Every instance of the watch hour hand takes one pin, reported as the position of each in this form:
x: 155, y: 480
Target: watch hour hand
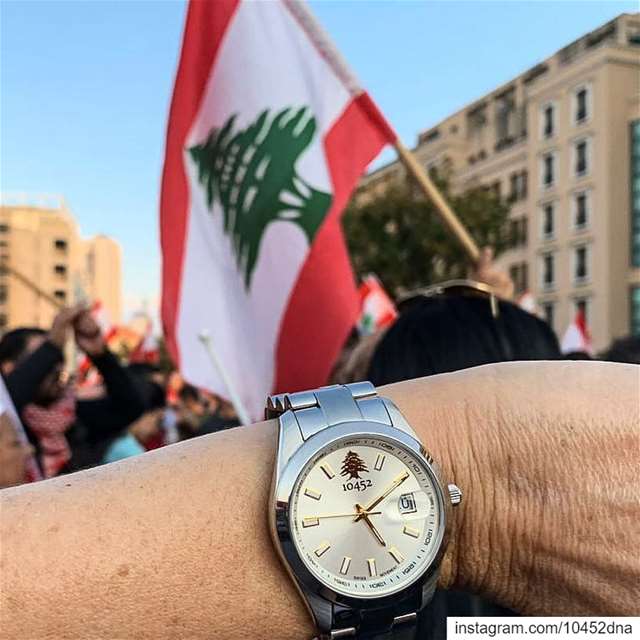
x: 365, y: 517
x: 396, y: 483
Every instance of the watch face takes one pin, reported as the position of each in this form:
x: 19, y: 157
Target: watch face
x: 365, y: 516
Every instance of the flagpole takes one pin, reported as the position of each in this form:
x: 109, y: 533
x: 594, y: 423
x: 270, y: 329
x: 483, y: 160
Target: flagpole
x: 27, y: 282
x: 205, y: 339
x: 430, y: 190
x: 323, y: 44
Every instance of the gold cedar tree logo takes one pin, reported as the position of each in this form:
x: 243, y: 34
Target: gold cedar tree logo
x: 353, y: 465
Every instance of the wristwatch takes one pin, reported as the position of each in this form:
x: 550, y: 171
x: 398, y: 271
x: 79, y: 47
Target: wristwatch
x: 358, y: 511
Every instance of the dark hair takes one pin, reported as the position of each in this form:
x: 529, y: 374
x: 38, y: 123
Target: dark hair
x: 13, y: 343
x: 155, y: 396
x: 447, y: 333
x: 577, y: 355
x: 624, y: 350
x: 189, y: 392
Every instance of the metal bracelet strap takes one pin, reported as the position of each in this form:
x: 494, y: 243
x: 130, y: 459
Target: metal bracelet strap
x: 318, y: 409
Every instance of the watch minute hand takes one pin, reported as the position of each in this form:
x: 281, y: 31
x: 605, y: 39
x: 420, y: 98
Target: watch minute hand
x: 337, y: 515
x: 396, y: 483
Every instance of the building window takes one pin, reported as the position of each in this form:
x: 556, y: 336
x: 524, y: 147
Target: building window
x: 3, y: 321
x: 518, y: 232
x: 518, y: 186
x: 548, y: 121
x: 581, y: 264
x: 505, y: 119
x: 548, y: 220
x: 476, y: 121
x: 583, y: 306
x: 635, y: 193
x: 60, y: 245
x: 60, y: 295
x: 548, y: 170
x: 634, y: 307
x: 60, y: 270
x: 548, y: 312
x: 581, y: 205
x: 581, y: 104
x: 548, y: 271
x: 581, y: 157
x: 4, y: 228
x: 519, y: 274
x: 3, y: 293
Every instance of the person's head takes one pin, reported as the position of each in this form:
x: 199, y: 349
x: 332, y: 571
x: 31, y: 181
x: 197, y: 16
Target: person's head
x: 446, y: 333
x: 190, y: 399
x: 624, y: 350
x: 14, y: 454
x: 16, y: 346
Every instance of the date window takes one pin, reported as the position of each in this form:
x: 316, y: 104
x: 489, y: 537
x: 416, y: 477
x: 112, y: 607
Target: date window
x: 407, y: 503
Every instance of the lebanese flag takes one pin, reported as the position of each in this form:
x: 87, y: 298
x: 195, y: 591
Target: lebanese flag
x: 377, y: 308
x: 577, y: 336
x: 268, y: 134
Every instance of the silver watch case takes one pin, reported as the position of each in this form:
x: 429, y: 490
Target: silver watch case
x: 293, y: 454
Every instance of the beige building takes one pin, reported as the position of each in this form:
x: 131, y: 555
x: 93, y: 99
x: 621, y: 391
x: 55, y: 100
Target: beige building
x: 40, y: 238
x: 561, y: 142
x: 102, y: 271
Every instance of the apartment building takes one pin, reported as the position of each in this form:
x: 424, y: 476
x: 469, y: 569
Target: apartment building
x: 40, y: 238
x: 561, y: 142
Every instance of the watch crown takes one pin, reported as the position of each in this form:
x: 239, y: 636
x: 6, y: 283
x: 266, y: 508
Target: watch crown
x: 455, y: 494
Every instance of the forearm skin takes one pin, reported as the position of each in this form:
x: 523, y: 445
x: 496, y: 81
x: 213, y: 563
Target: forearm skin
x: 198, y: 561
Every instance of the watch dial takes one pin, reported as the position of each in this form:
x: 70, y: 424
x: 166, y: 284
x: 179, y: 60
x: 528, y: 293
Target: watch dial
x: 365, y: 517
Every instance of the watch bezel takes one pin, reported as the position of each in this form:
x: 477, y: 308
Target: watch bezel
x: 283, y: 491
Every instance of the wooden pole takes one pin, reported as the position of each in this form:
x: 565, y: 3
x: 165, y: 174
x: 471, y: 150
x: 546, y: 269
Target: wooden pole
x: 30, y: 284
x: 430, y: 190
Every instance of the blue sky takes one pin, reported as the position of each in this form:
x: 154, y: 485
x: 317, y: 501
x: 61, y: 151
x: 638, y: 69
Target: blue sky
x: 85, y: 88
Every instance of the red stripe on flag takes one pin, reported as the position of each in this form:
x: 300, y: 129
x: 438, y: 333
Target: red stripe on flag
x: 205, y: 26
x: 315, y: 326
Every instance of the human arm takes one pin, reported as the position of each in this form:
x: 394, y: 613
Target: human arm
x: 546, y: 454
x: 486, y: 270
x: 124, y: 400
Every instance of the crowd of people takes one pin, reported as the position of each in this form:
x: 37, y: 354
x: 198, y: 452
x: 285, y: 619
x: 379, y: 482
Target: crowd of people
x: 136, y: 407
x: 132, y: 408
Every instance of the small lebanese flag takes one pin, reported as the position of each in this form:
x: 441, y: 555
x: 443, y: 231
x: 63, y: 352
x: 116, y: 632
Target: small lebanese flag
x: 378, y: 310
x: 268, y: 134
x: 577, y: 336
x: 147, y: 351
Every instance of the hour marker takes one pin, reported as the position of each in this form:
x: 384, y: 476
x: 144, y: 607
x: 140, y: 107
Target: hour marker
x: 310, y: 522
x: 379, y: 462
x: 323, y: 548
x: 312, y: 493
x: 344, y: 567
x: 328, y: 471
x: 410, y: 531
x: 397, y: 556
x: 372, y: 567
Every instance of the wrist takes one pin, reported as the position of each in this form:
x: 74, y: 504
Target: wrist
x: 448, y: 413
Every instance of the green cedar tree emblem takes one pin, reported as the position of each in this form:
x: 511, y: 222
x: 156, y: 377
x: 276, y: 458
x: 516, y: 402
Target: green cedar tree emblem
x: 252, y: 174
